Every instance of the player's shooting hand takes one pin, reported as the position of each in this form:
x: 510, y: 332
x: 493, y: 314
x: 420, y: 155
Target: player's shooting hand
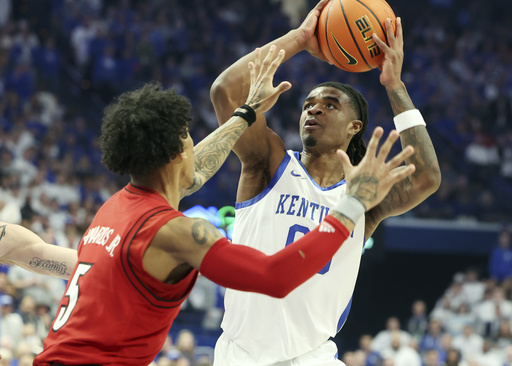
x: 307, y: 30
x: 391, y: 67
x: 371, y: 180
x: 262, y: 94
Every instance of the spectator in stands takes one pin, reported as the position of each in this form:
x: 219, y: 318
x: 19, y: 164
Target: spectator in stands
x: 455, y: 323
x: 453, y: 358
x: 508, y: 356
x: 468, y: 343
x: 418, y: 322
x: 11, y: 324
x: 443, y: 309
x: 500, y: 260
x: 455, y: 293
x: 490, y: 356
x: 186, y: 344
x: 431, y: 358
x: 503, y: 337
x: 400, y: 352
x: 432, y: 338
x: 383, y: 339
x: 373, y: 358
x: 472, y: 287
x: 490, y: 313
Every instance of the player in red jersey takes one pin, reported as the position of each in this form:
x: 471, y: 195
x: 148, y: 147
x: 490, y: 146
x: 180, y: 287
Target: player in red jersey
x: 140, y: 257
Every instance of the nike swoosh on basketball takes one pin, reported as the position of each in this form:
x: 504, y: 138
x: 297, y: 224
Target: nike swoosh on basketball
x: 351, y: 59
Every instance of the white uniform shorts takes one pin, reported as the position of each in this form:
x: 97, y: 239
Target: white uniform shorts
x: 227, y: 353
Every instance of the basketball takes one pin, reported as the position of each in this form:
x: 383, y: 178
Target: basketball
x: 344, y: 33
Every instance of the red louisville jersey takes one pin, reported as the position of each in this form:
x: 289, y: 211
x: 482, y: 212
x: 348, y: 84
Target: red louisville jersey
x: 113, y: 311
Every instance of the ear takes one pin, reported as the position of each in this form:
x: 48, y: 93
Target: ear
x: 354, y: 127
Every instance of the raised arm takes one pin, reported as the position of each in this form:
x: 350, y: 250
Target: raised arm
x: 185, y: 242
x: 231, y: 88
x: 413, y: 190
x: 213, y: 150
x: 23, y: 248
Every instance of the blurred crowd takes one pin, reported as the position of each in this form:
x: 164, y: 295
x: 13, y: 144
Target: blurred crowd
x: 63, y: 61
x: 469, y: 325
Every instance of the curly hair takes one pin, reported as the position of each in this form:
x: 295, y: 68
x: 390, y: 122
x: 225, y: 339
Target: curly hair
x: 356, y: 148
x: 143, y: 129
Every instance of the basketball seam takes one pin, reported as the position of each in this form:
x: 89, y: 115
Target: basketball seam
x: 352, y: 35
x: 327, y: 37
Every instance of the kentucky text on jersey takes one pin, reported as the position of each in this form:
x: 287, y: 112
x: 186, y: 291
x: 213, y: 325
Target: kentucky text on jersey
x: 299, y: 206
x: 100, y: 235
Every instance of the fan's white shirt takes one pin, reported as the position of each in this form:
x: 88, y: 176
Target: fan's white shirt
x: 262, y: 330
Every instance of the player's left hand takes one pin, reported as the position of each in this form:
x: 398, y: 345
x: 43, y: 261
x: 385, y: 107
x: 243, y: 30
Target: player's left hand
x: 391, y: 67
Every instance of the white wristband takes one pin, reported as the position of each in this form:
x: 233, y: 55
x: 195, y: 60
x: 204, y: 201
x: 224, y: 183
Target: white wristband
x: 408, y: 119
x: 350, y: 207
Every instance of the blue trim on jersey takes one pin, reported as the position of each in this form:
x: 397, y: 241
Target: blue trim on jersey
x: 344, y: 316
x: 297, y: 156
x: 273, y: 182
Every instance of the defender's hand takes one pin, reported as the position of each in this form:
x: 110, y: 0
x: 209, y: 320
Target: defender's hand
x: 262, y: 94
x: 371, y: 180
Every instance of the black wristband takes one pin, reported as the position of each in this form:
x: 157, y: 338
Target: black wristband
x: 246, y: 112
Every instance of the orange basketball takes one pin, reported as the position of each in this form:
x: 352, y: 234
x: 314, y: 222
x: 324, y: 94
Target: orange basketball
x: 345, y: 29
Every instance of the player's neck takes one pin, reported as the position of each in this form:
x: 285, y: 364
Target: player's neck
x: 165, y: 184
x: 325, y: 168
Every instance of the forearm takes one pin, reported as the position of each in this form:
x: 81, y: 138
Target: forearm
x: 232, y: 85
x: 212, y: 151
x: 23, y: 248
x: 424, y: 157
x: 399, y: 98
x: 246, y: 269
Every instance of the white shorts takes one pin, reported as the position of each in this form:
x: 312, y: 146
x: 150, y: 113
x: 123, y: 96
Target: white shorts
x: 227, y: 353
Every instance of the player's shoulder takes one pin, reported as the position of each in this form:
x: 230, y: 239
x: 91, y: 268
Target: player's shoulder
x: 183, y: 227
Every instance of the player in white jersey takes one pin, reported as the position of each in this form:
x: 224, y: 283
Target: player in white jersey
x: 283, y: 194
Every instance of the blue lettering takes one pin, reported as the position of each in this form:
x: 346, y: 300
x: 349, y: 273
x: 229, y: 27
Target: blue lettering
x: 303, y: 207
x: 322, y: 214
x: 282, y: 200
x: 292, y: 205
x: 314, y: 206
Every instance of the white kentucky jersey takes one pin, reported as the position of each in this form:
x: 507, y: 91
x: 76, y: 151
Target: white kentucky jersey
x: 268, y: 330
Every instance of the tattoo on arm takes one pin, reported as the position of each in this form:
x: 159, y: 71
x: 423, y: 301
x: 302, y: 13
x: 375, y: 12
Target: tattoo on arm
x: 212, y: 152
x: 364, y: 188
x: 424, y: 157
x: 58, y: 268
x: 397, y: 197
x: 400, y: 100
x: 202, y: 231
x: 2, y: 234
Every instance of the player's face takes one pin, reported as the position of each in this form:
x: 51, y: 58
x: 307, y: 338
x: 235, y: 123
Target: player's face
x: 327, y: 119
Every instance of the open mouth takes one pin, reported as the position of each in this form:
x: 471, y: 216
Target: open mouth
x: 311, y: 124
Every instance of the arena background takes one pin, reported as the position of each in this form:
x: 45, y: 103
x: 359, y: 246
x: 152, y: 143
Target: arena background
x: 458, y: 70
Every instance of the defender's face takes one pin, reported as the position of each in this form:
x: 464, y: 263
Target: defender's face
x: 325, y: 118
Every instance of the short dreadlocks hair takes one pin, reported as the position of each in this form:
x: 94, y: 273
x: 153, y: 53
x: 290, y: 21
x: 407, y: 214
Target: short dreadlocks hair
x: 143, y: 129
x: 356, y: 148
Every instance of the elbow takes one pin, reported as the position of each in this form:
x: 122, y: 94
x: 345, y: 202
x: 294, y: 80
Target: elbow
x: 219, y: 92
x: 435, y: 179
x: 280, y: 288
x: 431, y: 181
